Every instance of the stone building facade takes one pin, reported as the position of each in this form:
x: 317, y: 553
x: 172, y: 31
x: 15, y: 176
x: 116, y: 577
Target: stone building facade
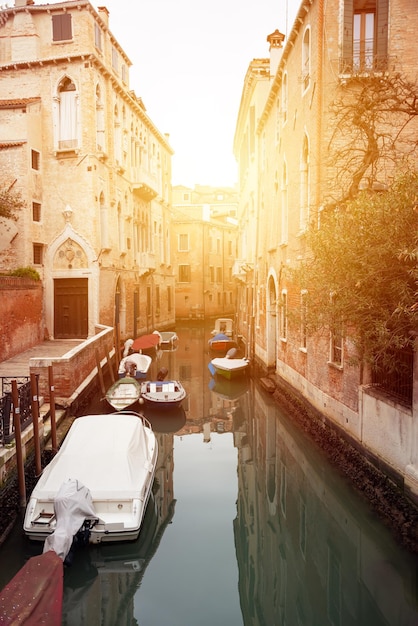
x: 204, y: 231
x: 92, y: 168
x: 283, y: 132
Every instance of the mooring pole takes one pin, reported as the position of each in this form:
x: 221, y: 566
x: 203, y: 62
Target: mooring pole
x: 100, y: 373
x: 52, y: 410
x: 35, y: 422
x: 110, y: 366
x: 18, y: 440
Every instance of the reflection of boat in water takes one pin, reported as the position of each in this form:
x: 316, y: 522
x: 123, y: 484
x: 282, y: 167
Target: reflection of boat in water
x: 100, y: 585
x: 166, y: 421
x: 229, y: 389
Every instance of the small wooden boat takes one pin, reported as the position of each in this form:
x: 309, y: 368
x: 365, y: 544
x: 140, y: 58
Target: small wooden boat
x: 124, y: 393
x: 135, y: 365
x: 163, y: 394
x: 102, y: 476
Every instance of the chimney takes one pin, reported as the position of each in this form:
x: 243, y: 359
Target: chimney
x: 104, y: 14
x: 276, y: 48
x: 24, y: 3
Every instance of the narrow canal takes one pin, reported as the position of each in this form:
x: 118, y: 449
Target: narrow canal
x: 248, y: 525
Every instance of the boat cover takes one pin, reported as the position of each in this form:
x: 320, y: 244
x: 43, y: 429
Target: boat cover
x: 72, y: 504
x: 111, y: 454
x: 34, y: 596
x: 146, y: 342
x: 219, y: 337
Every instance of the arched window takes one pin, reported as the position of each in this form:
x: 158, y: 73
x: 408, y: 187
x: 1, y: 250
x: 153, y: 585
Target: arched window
x: 67, y: 115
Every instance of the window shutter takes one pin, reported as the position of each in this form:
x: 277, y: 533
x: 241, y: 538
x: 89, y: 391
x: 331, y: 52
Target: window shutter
x: 382, y: 35
x: 346, y: 62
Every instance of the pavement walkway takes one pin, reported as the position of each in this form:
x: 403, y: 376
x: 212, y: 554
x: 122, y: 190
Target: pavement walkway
x: 19, y: 364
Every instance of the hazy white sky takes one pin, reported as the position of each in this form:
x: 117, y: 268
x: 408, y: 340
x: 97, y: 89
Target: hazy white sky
x: 189, y: 60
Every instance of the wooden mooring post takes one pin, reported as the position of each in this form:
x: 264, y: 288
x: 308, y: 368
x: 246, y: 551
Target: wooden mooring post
x: 100, y: 373
x: 18, y: 439
x: 52, y: 410
x: 35, y: 422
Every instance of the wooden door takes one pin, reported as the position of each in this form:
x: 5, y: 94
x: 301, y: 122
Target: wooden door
x: 71, y: 308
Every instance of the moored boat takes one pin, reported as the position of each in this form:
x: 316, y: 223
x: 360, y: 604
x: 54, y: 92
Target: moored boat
x: 112, y: 458
x: 163, y: 394
x: 124, y: 393
x: 230, y: 366
x: 221, y: 343
x: 135, y: 365
x: 224, y: 326
x: 169, y: 339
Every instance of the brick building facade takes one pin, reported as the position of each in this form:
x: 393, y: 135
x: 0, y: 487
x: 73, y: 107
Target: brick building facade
x: 284, y: 131
x: 92, y: 168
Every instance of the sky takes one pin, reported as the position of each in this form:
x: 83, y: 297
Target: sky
x: 189, y: 60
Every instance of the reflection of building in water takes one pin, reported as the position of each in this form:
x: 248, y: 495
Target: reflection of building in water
x: 100, y: 586
x: 305, y: 553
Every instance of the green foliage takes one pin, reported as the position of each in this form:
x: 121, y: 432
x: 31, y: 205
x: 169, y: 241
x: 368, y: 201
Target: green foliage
x: 26, y: 272
x: 10, y: 202
x: 366, y: 254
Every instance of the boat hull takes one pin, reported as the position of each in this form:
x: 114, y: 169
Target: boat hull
x: 125, y: 393
x: 163, y: 394
x: 230, y: 368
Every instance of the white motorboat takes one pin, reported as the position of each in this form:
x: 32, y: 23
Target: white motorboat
x: 229, y: 366
x: 168, y: 339
x: 163, y: 394
x: 223, y: 326
x: 135, y: 365
x: 105, y: 468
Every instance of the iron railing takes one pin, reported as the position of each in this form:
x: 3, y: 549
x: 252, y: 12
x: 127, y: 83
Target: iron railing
x: 7, y: 433
x: 396, y: 380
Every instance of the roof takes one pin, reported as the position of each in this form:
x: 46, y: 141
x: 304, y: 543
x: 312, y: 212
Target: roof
x: 17, y: 103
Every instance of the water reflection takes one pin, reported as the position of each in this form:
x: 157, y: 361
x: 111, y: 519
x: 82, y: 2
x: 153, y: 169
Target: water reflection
x: 294, y: 544
x: 309, y: 552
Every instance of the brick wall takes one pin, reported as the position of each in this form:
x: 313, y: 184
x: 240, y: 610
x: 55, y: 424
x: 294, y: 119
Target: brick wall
x: 21, y: 318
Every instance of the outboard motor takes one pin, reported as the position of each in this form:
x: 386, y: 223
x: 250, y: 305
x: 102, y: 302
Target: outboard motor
x: 162, y: 374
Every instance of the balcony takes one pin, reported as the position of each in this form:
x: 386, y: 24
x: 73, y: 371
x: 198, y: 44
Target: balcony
x: 240, y: 269
x: 145, y: 262
x: 144, y: 184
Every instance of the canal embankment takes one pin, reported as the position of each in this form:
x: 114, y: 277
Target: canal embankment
x: 372, y: 480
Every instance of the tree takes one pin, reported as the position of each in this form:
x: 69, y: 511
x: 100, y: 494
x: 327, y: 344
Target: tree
x: 10, y: 201
x: 365, y: 253
x: 374, y: 132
